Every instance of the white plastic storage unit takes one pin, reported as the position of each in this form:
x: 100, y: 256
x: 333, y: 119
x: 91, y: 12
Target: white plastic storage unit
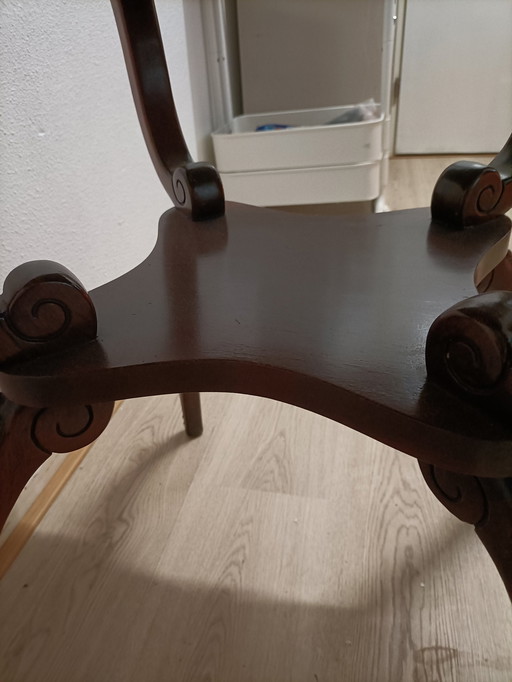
x: 312, y: 161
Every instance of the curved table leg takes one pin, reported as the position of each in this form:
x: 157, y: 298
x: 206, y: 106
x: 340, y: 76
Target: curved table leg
x: 484, y: 502
x: 29, y: 435
x: 191, y: 410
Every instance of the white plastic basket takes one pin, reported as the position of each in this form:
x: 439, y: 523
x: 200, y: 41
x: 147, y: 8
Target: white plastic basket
x: 310, y: 143
x: 298, y: 186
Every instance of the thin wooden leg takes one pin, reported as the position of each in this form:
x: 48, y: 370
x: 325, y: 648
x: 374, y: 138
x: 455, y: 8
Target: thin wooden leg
x: 484, y: 502
x: 29, y: 435
x: 191, y: 410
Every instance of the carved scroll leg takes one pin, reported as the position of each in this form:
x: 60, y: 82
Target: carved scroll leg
x: 191, y: 410
x: 484, y: 502
x: 29, y: 435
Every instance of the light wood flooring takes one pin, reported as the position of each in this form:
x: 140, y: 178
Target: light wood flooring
x: 278, y: 547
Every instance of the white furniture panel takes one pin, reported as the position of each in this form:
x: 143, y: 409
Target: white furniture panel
x: 297, y: 186
x: 311, y: 142
x: 456, y: 83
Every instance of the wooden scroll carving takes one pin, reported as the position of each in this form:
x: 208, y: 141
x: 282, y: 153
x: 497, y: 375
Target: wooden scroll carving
x: 43, y: 308
x: 463, y: 495
x: 468, y: 193
x: 195, y: 188
x: 29, y: 435
x: 484, y: 502
x: 469, y: 349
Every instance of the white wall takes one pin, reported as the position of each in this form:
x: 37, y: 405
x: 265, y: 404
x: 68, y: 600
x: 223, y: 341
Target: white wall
x: 76, y: 182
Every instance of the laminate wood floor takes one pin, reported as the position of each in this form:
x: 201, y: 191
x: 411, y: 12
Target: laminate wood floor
x: 278, y: 547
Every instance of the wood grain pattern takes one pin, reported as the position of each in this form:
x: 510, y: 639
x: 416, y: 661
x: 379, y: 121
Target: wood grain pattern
x: 412, y: 178
x: 34, y: 487
x: 160, y: 564
x: 26, y: 517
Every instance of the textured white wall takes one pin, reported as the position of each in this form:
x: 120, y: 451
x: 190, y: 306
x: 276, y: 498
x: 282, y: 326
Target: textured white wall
x: 76, y: 182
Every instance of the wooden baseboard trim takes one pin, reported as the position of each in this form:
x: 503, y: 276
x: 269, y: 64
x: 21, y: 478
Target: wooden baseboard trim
x: 26, y: 526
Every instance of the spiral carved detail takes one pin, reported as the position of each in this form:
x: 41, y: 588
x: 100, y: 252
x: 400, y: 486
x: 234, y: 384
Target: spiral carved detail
x: 469, y: 346
x: 484, y: 502
x: 70, y: 427
x: 28, y: 435
x: 463, y: 495
x: 39, y: 320
x: 197, y: 189
x: 44, y: 308
x: 468, y: 193
x: 489, y: 191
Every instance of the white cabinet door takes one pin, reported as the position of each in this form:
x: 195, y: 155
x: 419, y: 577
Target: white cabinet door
x: 456, y: 79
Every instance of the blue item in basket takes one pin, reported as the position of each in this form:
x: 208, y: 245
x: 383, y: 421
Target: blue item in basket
x: 272, y: 126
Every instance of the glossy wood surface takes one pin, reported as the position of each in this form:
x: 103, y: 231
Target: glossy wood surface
x: 194, y: 188
x: 328, y: 314
x: 469, y: 192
